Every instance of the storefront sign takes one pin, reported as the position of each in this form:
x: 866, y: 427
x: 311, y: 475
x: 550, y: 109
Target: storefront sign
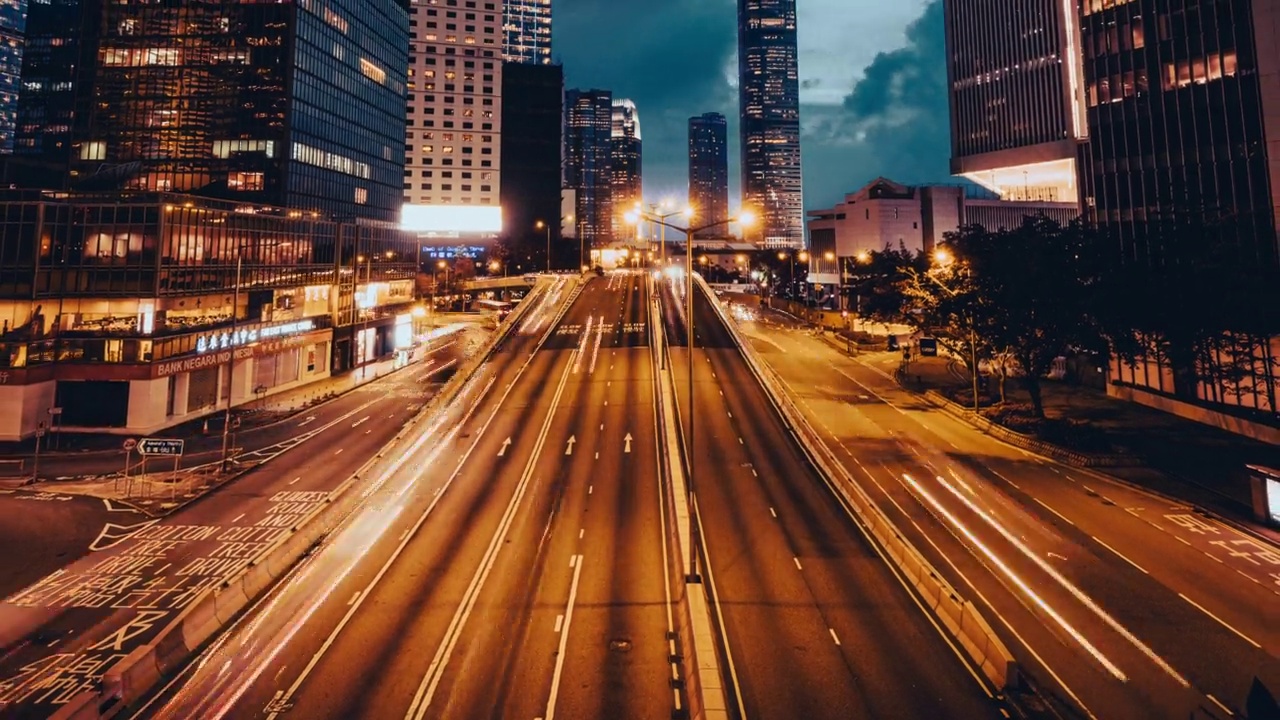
x: 236, y: 338
x: 198, y: 362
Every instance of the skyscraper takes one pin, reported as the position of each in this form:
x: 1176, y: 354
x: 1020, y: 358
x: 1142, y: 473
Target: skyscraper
x: 769, y: 102
x: 274, y: 104
x: 709, y: 170
x: 13, y: 20
x: 626, y: 166
x: 588, y: 162
x: 1016, y: 96
x: 526, y: 28
x: 532, y: 140
x: 453, y: 143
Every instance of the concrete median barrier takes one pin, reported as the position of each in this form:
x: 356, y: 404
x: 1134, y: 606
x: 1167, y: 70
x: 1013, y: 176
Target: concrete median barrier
x: 131, y: 679
x: 957, y: 616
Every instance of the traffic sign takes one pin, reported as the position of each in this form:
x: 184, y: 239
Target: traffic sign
x: 160, y: 446
x: 130, y: 444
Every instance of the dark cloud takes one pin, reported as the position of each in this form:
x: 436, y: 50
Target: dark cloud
x: 675, y: 59
x: 895, y: 122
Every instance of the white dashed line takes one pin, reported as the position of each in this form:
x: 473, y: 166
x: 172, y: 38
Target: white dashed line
x: 1121, y: 555
x: 833, y: 635
x: 797, y: 561
x: 559, y: 622
x: 338, y: 451
x: 773, y: 512
x: 1222, y: 622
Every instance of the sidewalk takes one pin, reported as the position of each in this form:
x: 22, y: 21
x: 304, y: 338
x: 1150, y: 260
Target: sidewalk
x: 84, y: 454
x: 1172, y: 455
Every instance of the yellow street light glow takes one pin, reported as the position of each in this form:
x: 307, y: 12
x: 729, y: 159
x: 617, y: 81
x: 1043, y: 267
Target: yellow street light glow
x: 829, y: 255
x: 442, y: 264
x: 803, y: 256
x: 632, y: 218
x: 942, y: 257
x: 419, y: 311
x: 863, y: 256
x: 782, y: 255
x: 746, y: 218
x: 539, y: 225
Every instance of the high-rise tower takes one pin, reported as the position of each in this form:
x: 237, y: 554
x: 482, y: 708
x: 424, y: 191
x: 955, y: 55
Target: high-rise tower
x: 1016, y: 97
x: 526, y: 28
x: 769, y: 102
x: 453, y: 142
x: 588, y: 164
x: 709, y: 170
x: 626, y: 166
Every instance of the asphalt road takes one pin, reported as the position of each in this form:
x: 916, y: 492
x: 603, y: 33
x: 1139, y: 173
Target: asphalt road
x: 517, y: 570
x: 59, y: 634
x: 1120, y: 603
x: 817, y: 626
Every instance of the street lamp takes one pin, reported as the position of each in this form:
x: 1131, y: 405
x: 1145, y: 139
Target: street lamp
x: 744, y: 219
x: 943, y: 258
x: 540, y: 225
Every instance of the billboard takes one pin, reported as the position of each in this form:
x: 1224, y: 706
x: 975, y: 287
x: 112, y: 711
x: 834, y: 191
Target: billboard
x: 451, y: 220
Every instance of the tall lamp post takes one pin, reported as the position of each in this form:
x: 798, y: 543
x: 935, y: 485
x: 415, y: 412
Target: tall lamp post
x: 945, y: 259
x: 231, y: 367
x: 744, y: 219
x: 540, y: 225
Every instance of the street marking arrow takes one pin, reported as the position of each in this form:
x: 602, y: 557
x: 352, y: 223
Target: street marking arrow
x: 627, y: 448
x: 569, y: 449
x: 505, y: 444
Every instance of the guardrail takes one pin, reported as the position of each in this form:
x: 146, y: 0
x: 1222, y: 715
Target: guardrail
x: 958, y: 616
x: 134, y: 676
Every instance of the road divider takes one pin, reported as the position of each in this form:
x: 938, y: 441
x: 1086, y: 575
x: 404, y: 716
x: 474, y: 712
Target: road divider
x: 133, y: 677
x: 698, y: 653
x: 957, y: 616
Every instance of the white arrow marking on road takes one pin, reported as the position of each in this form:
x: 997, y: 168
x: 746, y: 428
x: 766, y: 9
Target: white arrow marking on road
x: 627, y: 448
x: 310, y: 418
x: 505, y: 444
x: 569, y: 449
x: 357, y: 423
x: 113, y: 534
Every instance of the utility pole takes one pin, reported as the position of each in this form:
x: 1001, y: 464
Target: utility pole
x: 231, y: 368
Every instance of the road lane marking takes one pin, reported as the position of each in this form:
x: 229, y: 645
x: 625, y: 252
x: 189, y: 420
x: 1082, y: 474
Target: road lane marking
x: 568, y: 450
x: 1222, y: 622
x: 505, y: 444
x: 353, y: 599
x: 559, y: 622
x: 564, y: 640
x: 237, y: 518
x: 833, y: 635
x: 754, y: 473
x: 590, y: 488
x: 1122, y: 555
x: 358, y: 422
x: 1218, y: 702
x: 581, y: 533
x: 627, y: 440
x: 338, y: 451
x: 1055, y: 512
x: 773, y: 512
x: 730, y: 415
x: 295, y: 480
x: 797, y: 561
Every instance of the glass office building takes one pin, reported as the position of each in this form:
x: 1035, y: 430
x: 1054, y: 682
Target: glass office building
x: 588, y: 162
x: 627, y: 167
x: 526, y: 27
x: 46, y: 103
x: 296, y: 104
x: 1016, y: 96
x: 709, y: 170
x: 13, y: 20
x: 769, y: 103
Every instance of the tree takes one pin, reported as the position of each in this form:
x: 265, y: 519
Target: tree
x: 878, y: 289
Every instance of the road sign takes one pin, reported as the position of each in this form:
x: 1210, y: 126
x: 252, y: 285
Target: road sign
x: 929, y: 347
x: 160, y: 446
x: 130, y: 444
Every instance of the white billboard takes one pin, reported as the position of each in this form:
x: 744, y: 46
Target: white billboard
x: 451, y: 219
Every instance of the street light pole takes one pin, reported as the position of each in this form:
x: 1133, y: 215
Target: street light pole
x: 690, y: 326
x: 943, y: 258
x: 231, y: 367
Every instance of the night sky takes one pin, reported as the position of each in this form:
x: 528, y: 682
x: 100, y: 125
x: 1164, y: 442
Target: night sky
x: 873, y: 84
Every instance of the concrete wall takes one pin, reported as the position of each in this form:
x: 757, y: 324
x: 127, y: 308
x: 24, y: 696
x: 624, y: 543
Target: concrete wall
x: 1222, y: 421
x: 24, y: 406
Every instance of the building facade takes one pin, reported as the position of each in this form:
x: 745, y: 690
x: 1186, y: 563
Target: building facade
x: 888, y: 214
x: 129, y: 312
x: 294, y: 105
x: 532, y: 115
x: 1016, y: 96
x: 1184, y: 127
x: 46, y: 103
x: 626, y: 167
x: 526, y: 29
x: 13, y: 22
x: 588, y: 162
x: 709, y: 170
x: 769, y: 105
x: 453, y: 146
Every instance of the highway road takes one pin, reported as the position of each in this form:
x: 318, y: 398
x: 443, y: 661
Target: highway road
x: 515, y: 568
x: 59, y: 634
x: 1120, y: 603
x: 817, y: 625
